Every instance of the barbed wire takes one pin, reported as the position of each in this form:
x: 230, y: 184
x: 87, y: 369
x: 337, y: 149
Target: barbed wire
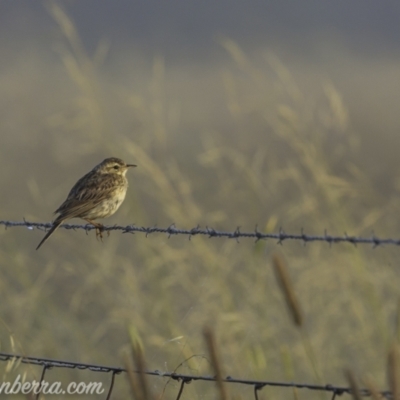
x: 47, y: 363
x: 172, y: 230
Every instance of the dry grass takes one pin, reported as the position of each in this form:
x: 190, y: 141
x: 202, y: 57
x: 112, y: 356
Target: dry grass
x: 278, y: 157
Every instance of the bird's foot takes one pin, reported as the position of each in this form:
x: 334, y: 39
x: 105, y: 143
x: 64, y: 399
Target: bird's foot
x: 99, y: 233
x: 99, y: 229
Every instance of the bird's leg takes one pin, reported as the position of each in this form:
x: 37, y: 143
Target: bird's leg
x: 99, y: 228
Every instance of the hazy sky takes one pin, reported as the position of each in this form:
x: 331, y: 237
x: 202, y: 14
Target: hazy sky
x: 182, y: 28
x: 353, y: 44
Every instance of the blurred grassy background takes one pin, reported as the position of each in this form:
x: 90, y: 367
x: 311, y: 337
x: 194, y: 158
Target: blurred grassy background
x: 244, y: 143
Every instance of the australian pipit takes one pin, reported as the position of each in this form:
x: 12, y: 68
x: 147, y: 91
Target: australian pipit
x: 96, y: 195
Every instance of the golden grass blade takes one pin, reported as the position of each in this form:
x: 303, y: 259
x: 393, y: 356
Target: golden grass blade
x: 133, y: 378
x: 371, y: 386
x: 285, y: 283
x: 141, y: 367
x: 355, y: 390
x: 394, y: 371
x: 210, y: 341
x: 137, y: 379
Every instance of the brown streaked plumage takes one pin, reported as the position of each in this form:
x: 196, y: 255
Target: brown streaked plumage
x: 96, y: 195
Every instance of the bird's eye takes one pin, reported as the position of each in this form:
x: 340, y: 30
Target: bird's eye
x: 116, y: 166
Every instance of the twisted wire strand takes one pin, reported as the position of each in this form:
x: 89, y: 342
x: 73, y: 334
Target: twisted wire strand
x: 237, y: 234
x: 258, y: 385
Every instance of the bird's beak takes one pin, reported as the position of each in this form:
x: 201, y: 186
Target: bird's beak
x: 131, y: 165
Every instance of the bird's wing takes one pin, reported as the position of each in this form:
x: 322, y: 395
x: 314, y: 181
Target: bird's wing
x: 89, y: 191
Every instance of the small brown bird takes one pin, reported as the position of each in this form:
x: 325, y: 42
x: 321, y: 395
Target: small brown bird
x: 98, y: 194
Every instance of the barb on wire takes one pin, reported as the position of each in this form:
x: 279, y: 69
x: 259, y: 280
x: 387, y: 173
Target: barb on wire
x: 212, y: 233
x: 258, y: 385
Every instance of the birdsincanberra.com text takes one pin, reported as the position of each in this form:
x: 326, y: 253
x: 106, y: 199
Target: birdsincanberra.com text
x: 44, y: 387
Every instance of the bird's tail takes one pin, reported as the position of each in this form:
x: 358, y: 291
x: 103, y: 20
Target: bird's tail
x: 56, y: 224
